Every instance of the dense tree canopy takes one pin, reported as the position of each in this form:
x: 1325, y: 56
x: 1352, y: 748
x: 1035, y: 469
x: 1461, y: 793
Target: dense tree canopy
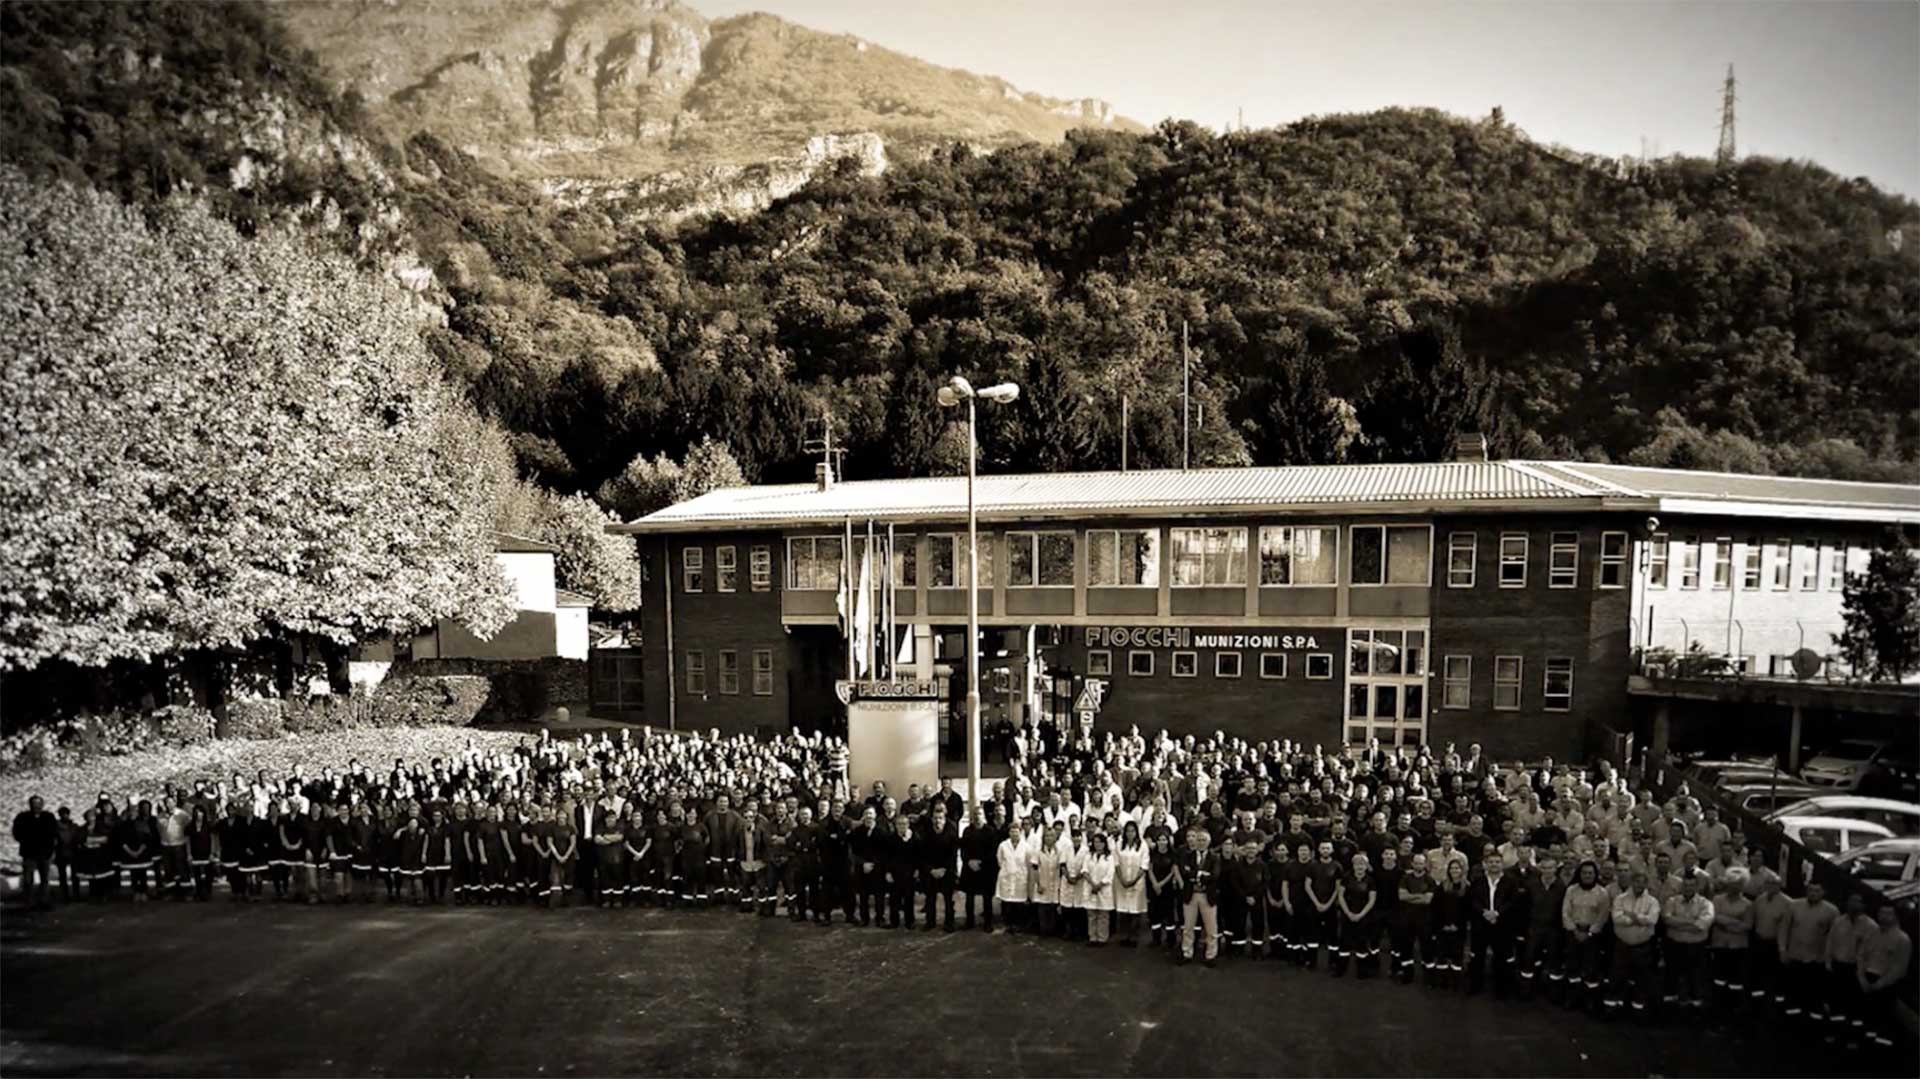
x: 215, y: 439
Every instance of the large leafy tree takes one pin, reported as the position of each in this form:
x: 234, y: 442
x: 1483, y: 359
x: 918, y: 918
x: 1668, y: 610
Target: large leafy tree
x: 216, y: 439
x: 1881, y: 608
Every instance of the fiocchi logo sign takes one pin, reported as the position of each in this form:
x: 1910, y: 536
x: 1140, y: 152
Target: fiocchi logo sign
x: 1185, y: 637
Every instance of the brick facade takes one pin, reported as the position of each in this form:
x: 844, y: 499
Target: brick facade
x: 710, y: 621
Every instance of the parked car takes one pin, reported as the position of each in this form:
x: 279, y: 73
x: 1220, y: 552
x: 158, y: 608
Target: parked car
x: 1885, y: 865
x: 1844, y: 765
x: 1900, y: 818
x: 1746, y: 774
x: 1830, y: 836
x: 1905, y: 896
x: 1762, y: 798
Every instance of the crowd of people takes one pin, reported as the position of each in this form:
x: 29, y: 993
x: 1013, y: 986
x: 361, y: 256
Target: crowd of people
x: 1406, y: 864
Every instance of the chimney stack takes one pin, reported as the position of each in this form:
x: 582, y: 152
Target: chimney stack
x: 1470, y: 447
x: 823, y: 476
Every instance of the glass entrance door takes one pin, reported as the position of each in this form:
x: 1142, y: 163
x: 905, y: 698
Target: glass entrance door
x: 1386, y: 686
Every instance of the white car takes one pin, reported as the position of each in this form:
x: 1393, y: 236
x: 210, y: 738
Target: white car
x: 1762, y: 798
x: 1845, y: 764
x: 1885, y: 865
x: 1831, y: 836
x: 1901, y: 818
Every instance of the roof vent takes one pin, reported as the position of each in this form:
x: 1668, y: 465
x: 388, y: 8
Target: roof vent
x: 823, y: 476
x: 1470, y: 447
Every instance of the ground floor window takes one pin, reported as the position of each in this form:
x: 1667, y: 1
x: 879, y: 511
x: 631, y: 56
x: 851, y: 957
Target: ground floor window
x: 696, y: 674
x: 1099, y: 662
x: 1559, y: 687
x: 1140, y: 663
x: 763, y: 672
x: 1506, y: 683
x: 1186, y: 664
x: 1273, y: 664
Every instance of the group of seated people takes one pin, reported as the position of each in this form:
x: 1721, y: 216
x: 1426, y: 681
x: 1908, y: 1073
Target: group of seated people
x: 1439, y: 867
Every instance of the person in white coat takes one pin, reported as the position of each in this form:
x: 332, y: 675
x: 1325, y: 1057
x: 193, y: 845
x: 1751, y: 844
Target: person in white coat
x: 1044, y: 866
x: 1012, y: 884
x: 1073, y: 889
x: 1097, y: 873
x: 1130, y: 884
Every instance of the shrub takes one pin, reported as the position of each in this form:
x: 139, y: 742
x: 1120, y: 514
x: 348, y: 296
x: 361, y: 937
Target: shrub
x: 429, y: 700
x: 183, y: 725
x: 253, y: 717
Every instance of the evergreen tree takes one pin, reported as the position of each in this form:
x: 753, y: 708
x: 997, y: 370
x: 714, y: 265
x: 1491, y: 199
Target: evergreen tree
x: 1881, y: 607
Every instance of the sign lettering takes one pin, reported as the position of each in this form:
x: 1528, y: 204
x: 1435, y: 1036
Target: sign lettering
x: 922, y: 690
x: 1185, y: 637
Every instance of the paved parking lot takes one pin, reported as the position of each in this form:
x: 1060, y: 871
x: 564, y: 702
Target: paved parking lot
x: 231, y: 990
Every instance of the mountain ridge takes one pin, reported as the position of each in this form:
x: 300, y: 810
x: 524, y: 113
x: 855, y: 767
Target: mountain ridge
x: 620, y: 89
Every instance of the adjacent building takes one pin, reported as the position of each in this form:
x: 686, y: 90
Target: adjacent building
x: 1505, y: 602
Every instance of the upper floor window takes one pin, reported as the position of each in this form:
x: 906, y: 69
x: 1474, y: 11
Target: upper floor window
x: 1513, y: 560
x: 1750, y: 567
x: 1613, y: 560
x: 947, y: 561
x: 760, y: 568
x: 813, y: 563
x: 1833, y: 567
x: 693, y: 569
x: 1040, y: 560
x: 906, y: 562
x: 1209, y: 557
x: 1298, y: 555
x: 1391, y: 554
x: 1690, y: 562
x: 1123, y: 557
x: 726, y: 571
x: 1657, y: 560
x: 1723, y: 563
x: 1805, y: 567
x: 1563, y: 560
x: 1461, y: 548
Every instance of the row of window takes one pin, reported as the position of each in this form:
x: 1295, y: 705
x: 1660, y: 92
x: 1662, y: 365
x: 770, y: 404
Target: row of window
x: 1779, y: 565
x: 1288, y: 556
x: 1186, y: 664
x: 1456, y: 683
x: 729, y: 672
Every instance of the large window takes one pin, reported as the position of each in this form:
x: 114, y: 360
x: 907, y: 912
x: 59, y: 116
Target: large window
x: 1690, y: 562
x: 1456, y: 689
x: 813, y: 563
x: 1805, y: 566
x: 1559, y: 688
x: 1099, y: 662
x: 763, y: 672
x: 1297, y: 557
x: 1751, y: 569
x: 1319, y: 666
x: 1563, y: 560
x: 1273, y: 664
x: 1513, y: 560
x: 1506, y: 683
x: 1833, y: 567
x: 729, y: 672
x: 1613, y: 560
x: 1461, y: 548
x: 1209, y: 557
x: 1185, y: 664
x: 1123, y: 557
x: 1040, y: 560
x: 947, y: 561
x: 1391, y: 554
x: 726, y: 570
x: 906, y: 561
x: 693, y: 570
x: 1780, y: 554
x: 1226, y: 664
x: 1723, y: 563
x: 760, y: 568
x: 1140, y: 663
x: 696, y: 674
x: 1657, y: 560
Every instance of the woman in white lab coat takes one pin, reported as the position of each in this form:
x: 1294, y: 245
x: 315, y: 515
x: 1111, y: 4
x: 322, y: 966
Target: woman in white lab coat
x: 1097, y: 872
x: 1011, y: 886
x: 1073, y: 891
x: 1130, y: 884
x: 1045, y: 865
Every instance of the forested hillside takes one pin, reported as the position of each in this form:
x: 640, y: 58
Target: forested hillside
x: 1355, y: 287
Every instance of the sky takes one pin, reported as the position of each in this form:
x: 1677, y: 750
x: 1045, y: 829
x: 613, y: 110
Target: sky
x: 1834, y: 81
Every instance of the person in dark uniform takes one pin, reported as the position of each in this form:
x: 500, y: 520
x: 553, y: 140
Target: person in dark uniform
x: 939, y: 854
x: 438, y: 869
x: 1496, y: 903
x: 725, y: 837
x: 1359, y: 931
x: 314, y: 859
x: 1322, y: 926
x: 636, y: 842
x: 664, y: 854
x: 1163, y: 891
x: 133, y: 850
x: 900, y: 859
x: 337, y: 841
x: 866, y: 847
x: 610, y: 856
x: 694, y: 847
x: 978, y: 846
x: 1447, y: 926
x: 264, y: 844
x: 563, y: 856
x: 203, y: 853
x: 288, y: 847
x: 802, y: 871
x: 413, y: 842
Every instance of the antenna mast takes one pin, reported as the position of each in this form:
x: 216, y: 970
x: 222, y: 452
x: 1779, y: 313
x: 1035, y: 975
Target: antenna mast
x: 821, y: 445
x: 1724, y: 157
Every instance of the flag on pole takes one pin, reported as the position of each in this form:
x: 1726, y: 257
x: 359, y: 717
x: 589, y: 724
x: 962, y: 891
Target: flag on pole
x: 863, y: 615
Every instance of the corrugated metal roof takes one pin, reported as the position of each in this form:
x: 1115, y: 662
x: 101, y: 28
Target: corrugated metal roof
x: 1452, y: 484
x: 513, y: 543
x: 1739, y: 487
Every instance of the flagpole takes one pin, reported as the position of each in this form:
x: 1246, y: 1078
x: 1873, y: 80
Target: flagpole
x: 869, y: 585
x: 893, y: 598
x: 846, y: 575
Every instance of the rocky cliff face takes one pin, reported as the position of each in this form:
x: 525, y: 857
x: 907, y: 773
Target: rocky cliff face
x: 731, y: 190
x: 588, y: 96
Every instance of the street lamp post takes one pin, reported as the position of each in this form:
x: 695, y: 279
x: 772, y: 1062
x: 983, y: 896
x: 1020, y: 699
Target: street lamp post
x: 952, y: 394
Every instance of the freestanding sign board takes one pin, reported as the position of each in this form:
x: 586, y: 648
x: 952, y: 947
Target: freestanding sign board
x: 893, y: 733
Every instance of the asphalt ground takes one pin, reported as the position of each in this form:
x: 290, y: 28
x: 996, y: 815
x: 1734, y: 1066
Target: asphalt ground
x: 270, y: 989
